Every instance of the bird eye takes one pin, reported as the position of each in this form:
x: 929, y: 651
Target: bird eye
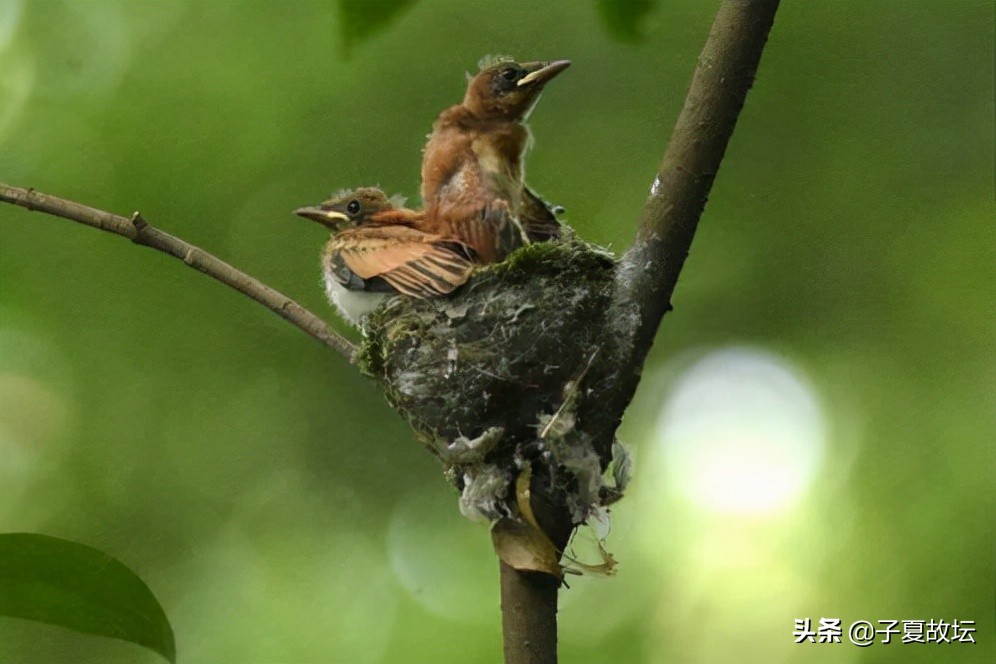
x: 510, y: 74
x: 353, y: 207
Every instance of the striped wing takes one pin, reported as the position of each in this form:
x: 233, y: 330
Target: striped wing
x: 414, y: 263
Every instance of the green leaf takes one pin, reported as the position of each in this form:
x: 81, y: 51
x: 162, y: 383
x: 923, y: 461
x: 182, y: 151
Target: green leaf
x: 623, y: 18
x: 59, y: 582
x: 360, y: 19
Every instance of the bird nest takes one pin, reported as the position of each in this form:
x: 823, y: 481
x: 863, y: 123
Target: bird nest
x: 490, y: 377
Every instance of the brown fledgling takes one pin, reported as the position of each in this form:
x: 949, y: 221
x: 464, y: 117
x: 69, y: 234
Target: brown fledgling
x: 473, y: 183
x: 378, y: 247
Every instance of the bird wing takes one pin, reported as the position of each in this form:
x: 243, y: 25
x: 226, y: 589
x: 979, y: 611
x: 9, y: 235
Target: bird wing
x: 538, y: 220
x: 415, y: 263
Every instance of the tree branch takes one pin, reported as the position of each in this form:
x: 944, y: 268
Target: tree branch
x: 140, y: 232
x: 645, y: 279
x: 528, y: 616
x: 451, y: 386
x: 649, y: 270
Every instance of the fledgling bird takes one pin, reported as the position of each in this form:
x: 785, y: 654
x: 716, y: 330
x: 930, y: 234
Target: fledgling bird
x: 378, y: 249
x: 472, y: 164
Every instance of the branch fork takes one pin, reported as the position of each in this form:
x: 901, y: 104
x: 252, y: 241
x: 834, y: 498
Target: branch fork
x: 639, y: 297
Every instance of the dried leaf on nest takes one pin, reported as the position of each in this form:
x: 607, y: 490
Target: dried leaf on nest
x: 525, y: 548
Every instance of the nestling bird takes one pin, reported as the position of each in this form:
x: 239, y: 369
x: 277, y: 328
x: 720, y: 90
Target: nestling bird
x: 378, y: 249
x: 472, y: 168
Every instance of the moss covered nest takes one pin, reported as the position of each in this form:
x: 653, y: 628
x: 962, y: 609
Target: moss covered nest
x: 488, y: 376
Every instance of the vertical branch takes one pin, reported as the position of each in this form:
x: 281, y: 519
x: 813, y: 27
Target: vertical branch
x: 649, y: 270
x: 529, y: 616
x: 646, y: 277
x: 529, y: 598
x: 645, y: 281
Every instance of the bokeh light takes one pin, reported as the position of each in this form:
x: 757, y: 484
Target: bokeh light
x: 258, y: 483
x: 742, y: 431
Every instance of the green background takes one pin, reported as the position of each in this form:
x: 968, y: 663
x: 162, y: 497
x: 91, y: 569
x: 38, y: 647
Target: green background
x: 282, y: 513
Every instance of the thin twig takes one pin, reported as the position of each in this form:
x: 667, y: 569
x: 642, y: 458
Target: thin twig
x: 141, y: 232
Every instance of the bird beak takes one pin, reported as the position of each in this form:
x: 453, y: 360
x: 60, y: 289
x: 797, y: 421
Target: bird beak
x: 328, y: 218
x: 541, y: 72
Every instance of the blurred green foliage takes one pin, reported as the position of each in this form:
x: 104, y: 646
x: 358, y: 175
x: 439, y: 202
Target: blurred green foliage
x: 360, y: 19
x: 280, y: 511
x: 623, y: 18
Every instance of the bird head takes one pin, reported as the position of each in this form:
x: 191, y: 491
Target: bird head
x: 351, y: 208
x: 507, y: 90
